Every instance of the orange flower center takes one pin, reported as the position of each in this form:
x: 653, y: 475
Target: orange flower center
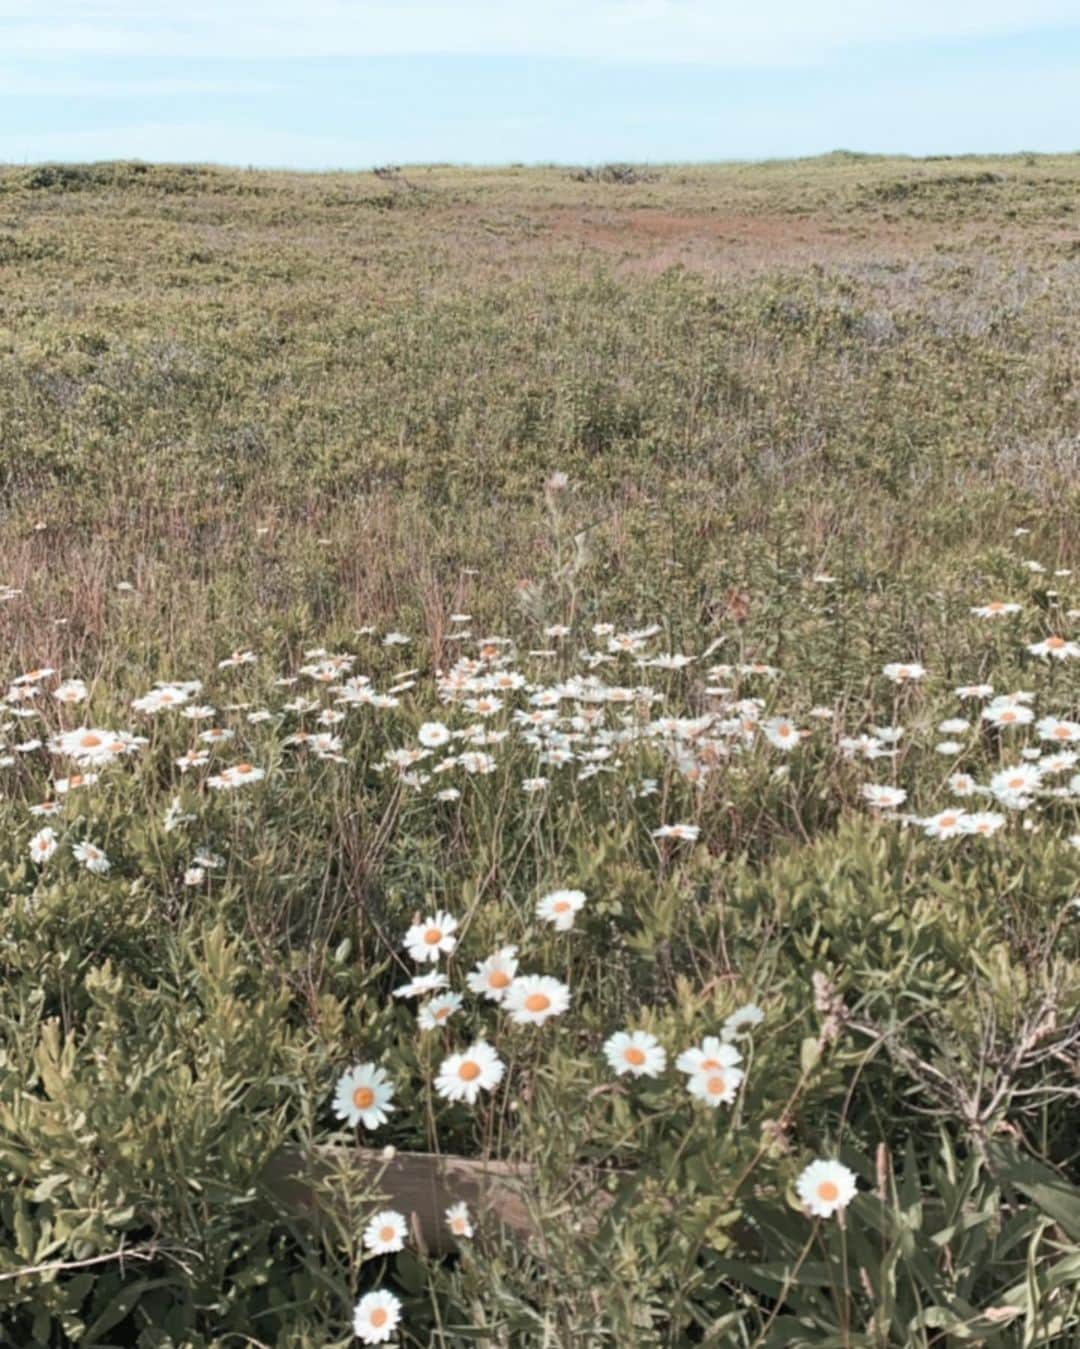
x: 469, y: 1070
x: 828, y: 1191
x: 1016, y: 782
x: 716, y: 1085
x: 363, y: 1098
x: 242, y: 768
x: 379, y: 1317
x: 947, y: 821
x: 498, y: 979
x: 561, y: 905
x: 632, y: 1054
x: 386, y: 1233
x: 90, y: 740
x: 1055, y: 642
x: 433, y: 936
x: 1062, y: 732
x: 537, y: 1002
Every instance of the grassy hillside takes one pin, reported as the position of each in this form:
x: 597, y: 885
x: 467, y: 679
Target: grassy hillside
x: 725, y: 461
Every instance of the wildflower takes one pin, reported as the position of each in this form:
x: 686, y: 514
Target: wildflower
x: 883, y: 798
x: 492, y: 977
x: 363, y: 1096
x: 781, y: 733
x: 533, y: 998
x: 686, y: 832
x: 91, y: 857
x: 70, y: 691
x: 962, y: 784
x: 983, y: 823
x: 1013, y: 786
x: 46, y: 808
x: 635, y: 1052
x: 954, y: 726
x: 1050, y: 728
x: 715, y: 1086
x: 1057, y: 647
x: 437, y: 1011
x: 459, y: 1221
x: 385, y: 1232
x: 996, y: 609
x: 741, y: 1020
x: 194, y: 876
x: 463, y: 1076
x: 64, y: 785
x: 431, y: 938
x: 974, y: 691
x: 376, y: 1317
x: 43, y: 845
x: 1001, y: 713
x: 163, y: 697
x: 903, y: 674
x: 711, y: 1053
x: 826, y: 1187
x: 216, y: 735
x: 433, y: 734
x: 237, y: 776
x: 422, y: 985
x: 946, y: 824
x: 532, y: 785
x: 559, y: 908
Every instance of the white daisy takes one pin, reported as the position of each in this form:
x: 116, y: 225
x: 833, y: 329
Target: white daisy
x: 533, y: 998
x: 826, y: 1187
x: 363, y: 1096
x: 742, y: 1020
x: 493, y: 976
x: 91, y: 857
x: 431, y: 938
x: 422, y: 985
x: 43, y: 845
x: 437, y: 1011
x: 459, y: 1221
x: 376, y: 1317
x: 385, y: 1232
x: 901, y: 673
x: 711, y: 1053
x: 463, y: 1076
x: 715, y: 1086
x: 559, y: 907
x: 635, y: 1052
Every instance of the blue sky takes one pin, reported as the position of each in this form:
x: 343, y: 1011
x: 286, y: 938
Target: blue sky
x: 352, y: 83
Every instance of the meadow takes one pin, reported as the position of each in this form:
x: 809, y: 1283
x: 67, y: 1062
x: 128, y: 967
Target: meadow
x: 574, y: 671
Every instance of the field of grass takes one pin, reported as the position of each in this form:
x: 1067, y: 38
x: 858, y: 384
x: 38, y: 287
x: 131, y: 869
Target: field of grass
x: 382, y: 553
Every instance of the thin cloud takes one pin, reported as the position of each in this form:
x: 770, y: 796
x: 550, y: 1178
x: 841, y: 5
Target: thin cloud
x: 771, y: 33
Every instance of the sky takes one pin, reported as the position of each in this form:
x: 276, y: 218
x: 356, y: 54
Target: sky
x: 320, y: 84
